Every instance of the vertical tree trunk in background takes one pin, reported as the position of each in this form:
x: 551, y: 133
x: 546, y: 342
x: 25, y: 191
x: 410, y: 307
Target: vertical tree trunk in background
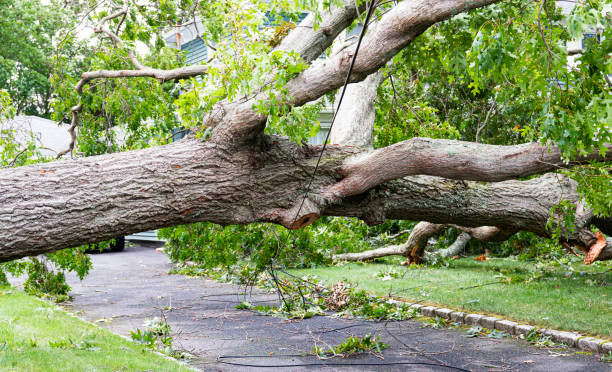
x: 354, y: 123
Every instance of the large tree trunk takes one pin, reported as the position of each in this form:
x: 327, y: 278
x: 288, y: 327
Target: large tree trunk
x: 240, y: 176
x: 50, y: 206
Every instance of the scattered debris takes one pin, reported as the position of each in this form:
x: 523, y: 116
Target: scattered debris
x: 338, y: 298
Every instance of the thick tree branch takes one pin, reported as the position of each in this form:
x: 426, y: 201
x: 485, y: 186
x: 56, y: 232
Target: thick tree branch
x: 396, y: 29
x: 450, y: 159
x: 309, y: 42
x: 509, y: 205
x: 160, y: 75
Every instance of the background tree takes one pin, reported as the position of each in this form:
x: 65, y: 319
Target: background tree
x: 29, y: 34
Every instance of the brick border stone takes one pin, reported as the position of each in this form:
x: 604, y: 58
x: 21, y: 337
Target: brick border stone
x: 571, y: 339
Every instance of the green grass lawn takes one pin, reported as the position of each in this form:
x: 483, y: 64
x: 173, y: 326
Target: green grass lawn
x: 555, y: 297
x: 38, y: 336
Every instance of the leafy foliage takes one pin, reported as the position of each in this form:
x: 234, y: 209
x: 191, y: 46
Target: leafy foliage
x: 28, y: 32
x: 212, y: 245
x: 157, y: 335
x: 353, y: 345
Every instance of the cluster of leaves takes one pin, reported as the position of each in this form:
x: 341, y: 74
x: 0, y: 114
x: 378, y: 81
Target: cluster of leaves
x: 212, y: 245
x: 477, y: 331
x: 363, y: 305
x: 351, y: 346
x: 7, y: 110
x: 88, y: 342
x: 45, y: 274
x: 536, y: 337
x: 28, y: 31
x: 527, y: 246
x: 14, y: 152
x: 157, y: 334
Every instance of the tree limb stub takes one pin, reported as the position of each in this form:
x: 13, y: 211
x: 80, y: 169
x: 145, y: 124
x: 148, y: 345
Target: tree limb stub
x: 300, y: 215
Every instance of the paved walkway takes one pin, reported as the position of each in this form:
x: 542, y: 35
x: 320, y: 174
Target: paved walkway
x: 127, y: 287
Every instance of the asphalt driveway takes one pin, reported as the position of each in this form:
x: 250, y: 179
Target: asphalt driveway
x: 125, y: 288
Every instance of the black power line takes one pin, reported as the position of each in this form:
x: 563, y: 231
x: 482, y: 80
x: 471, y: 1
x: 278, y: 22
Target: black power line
x: 346, y: 82
x: 272, y: 267
x: 323, y: 363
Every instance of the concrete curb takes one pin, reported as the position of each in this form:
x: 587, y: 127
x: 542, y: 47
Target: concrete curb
x: 572, y: 339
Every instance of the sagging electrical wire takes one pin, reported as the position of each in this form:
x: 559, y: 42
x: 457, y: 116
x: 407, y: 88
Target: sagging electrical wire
x: 272, y: 268
x: 331, y: 125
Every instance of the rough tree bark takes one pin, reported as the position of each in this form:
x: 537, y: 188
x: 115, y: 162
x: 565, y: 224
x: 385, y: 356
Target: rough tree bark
x: 240, y: 176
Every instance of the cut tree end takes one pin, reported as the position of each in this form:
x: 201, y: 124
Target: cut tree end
x: 595, y: 249
x: 300, y: 215
x: 304, y: 221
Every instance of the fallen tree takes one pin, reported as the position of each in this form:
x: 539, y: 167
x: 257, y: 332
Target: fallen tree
x: 239, y: 175
x: 414, y: 247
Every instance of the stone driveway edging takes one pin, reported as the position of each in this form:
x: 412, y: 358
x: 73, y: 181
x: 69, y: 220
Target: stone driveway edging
x: 572, y: 339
